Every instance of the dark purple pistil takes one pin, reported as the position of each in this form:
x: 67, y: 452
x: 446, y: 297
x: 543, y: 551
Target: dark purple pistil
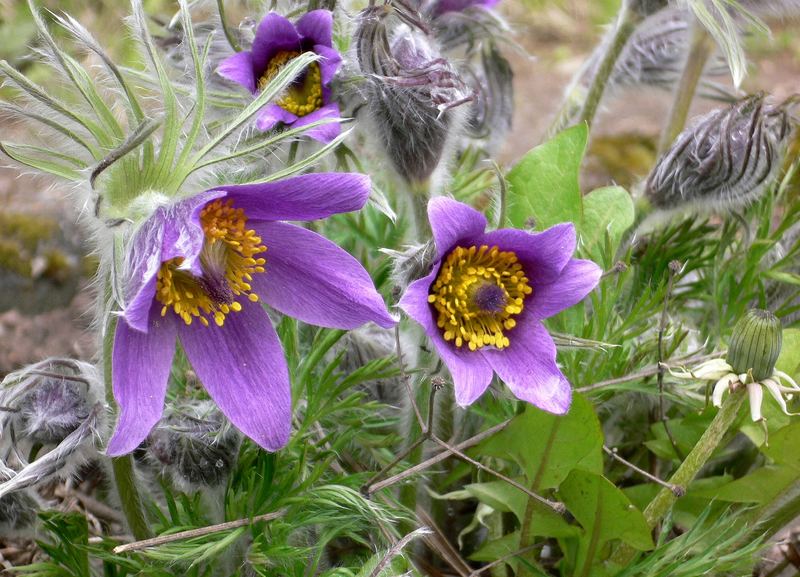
x: 490, y: 298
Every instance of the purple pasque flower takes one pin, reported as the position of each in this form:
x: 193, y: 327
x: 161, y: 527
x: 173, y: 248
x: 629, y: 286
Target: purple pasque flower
x: 196, y: 272
x: 483, y: 302
x: 277, y: 42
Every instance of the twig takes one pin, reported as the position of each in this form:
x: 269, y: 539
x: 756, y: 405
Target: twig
x: 396, y: 549
x: 676, y: 490
x: 92, y: 505
x: 192, y: 533
x: 504, y: 558
x: 555, y: 506
x: 426, y: 427
x: 644, y: 373
x: 674, y: 269
x: 442, y: 546
x: 435, y: 459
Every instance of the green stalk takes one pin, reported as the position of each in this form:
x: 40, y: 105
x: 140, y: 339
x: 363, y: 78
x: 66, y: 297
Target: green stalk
x: 627, y: 21
x: 124, y: 478
x: 420, y: 194
x: 700, y: 50
x: 687, y: 471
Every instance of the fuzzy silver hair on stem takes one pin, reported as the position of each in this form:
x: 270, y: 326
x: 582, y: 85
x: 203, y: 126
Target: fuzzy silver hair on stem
x: 17, y: 511
x: 726, y: 159
x: 412, y: 90
x: 194, y: 445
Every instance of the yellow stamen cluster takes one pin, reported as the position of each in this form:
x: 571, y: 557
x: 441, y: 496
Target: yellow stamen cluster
x: 304, y: 96
x: 230, y: 248
x: 459, y: 296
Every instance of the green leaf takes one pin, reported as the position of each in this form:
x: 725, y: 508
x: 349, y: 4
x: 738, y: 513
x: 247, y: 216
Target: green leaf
x: 501, y: 496
x: 789, y: 360
x: 544, y: 184
x: 761, y: 486
x: 605, y: 513
x: 605, y: 211
x: 783, y: 446
x: 547, y: 446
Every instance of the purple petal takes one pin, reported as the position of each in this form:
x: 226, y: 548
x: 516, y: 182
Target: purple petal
x: 272, y: 114
x: 141, y: 366
x: 305, y: 197
x: 543, y: 254
x: 317, y: 26
x: 452, y: 221
x: 470, y: 371
x: 329, y: 64
x: 141, y: 268
x: 172, y: 230
x: 310, y: 278
x: 326, y: 132
x: 274, y: 34
x: 239, y: 68
x: 528, y: 367
x: 577, y: 280
x: 241, y: 365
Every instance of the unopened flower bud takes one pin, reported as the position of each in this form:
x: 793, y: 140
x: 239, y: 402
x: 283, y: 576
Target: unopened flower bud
x: 756, y: 344
x: 727, y: 158
x: 492, y: 111
x: 412, y: 90
x: 194, y: 445
x: 53, y: 409
x: 411, y: 264
x: 17, y: 512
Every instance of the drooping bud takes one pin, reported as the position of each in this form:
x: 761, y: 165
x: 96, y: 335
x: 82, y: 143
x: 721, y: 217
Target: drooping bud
x: 194, y: 445
x: 17, y: 510
x: 756, y: 344
x: 53, y: 409
x: 492, y: 111
x: 411, y: 264
x: 772, y: 8
x: 412, y: 90
x: 656, y: 53
x: 727, y: 158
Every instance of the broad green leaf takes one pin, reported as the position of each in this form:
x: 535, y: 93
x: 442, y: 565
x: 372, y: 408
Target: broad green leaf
x: 783, y: 446
x: 505, y: 545
x: 605, y: 211
x: 789, y: 361
x: 547, y: 446
x: 605, y: 513
x: 761, y: 486
x: 504, y: 497
x: 544, y: 184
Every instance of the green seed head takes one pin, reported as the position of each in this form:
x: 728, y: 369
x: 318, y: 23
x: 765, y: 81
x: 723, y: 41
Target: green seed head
x: 756, y: 344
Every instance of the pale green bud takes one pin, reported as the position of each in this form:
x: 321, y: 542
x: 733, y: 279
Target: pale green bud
x: 756, y: 344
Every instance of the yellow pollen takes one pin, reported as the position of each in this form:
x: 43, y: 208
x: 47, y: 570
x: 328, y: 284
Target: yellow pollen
x: 303, y: 96
x: 230, y: 247
x: 477, y: 293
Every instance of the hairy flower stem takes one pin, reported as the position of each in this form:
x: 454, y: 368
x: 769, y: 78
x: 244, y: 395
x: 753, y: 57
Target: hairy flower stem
x: 420, y: 193
x: 687, y: 471
x: 627, y: 21
x: 700, y: 50
x: 124, y: 477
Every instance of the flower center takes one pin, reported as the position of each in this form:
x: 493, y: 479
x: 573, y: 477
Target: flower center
x: 304, y: 95
x: 229, y: 259
x: 477, y: 293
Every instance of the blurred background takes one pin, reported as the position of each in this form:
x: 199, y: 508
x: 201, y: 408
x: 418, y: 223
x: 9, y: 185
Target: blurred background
x: 44, y: 271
